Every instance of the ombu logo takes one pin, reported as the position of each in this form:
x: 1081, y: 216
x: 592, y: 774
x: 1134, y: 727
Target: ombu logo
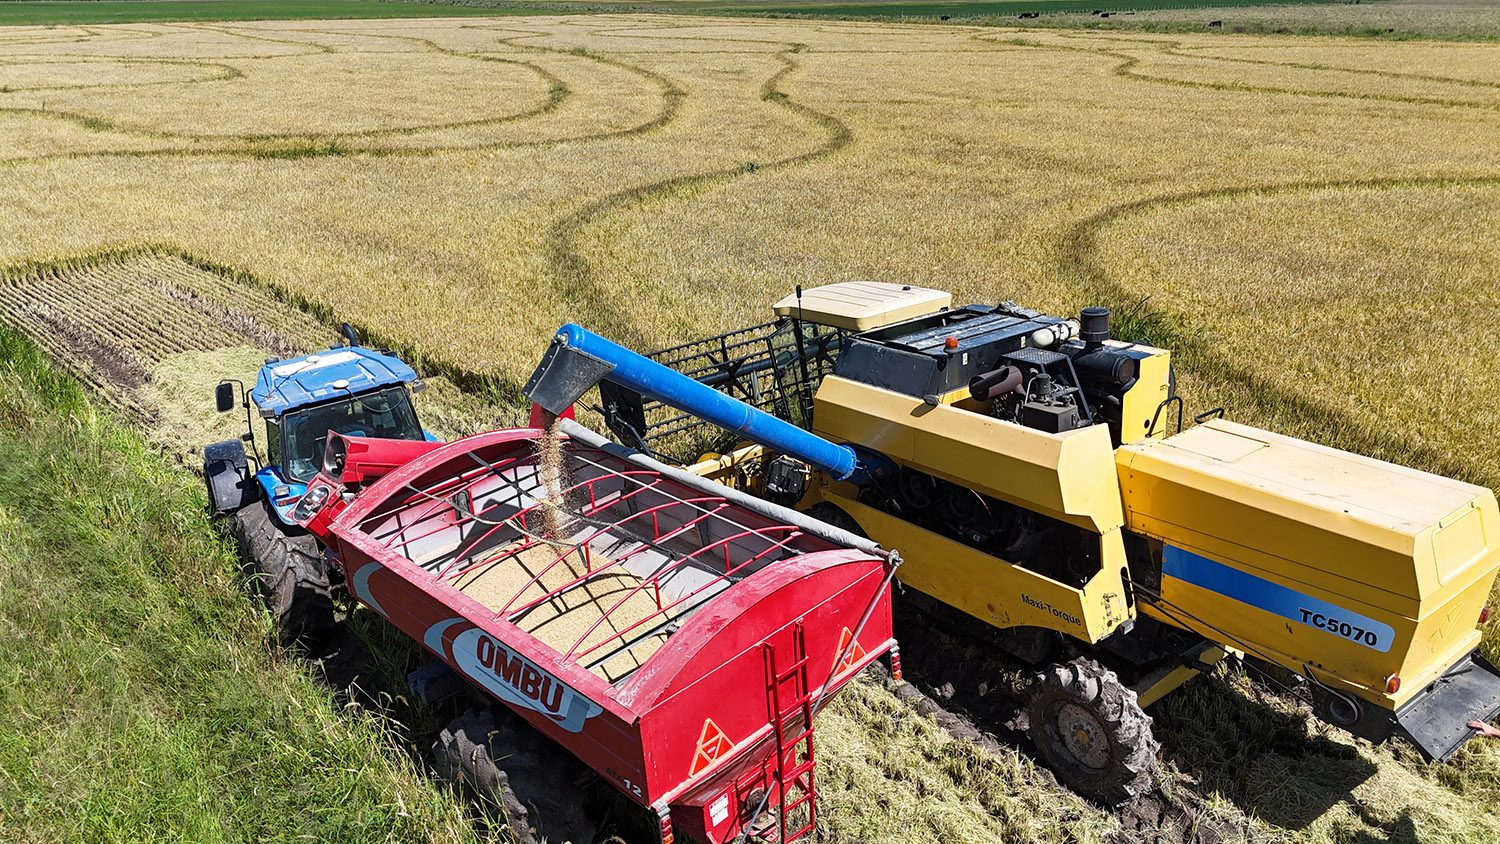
x: 513, y: 678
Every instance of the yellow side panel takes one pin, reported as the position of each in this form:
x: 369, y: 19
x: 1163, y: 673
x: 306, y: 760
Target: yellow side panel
x: 993, y: 590
x: 1138, y: 408
x: 1068, y: 476
x: 1334, y: 521
x: 1333, y: 642
x: 1358, y: 568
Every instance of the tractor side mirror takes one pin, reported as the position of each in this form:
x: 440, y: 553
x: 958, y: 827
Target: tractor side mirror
x: 224, y: 396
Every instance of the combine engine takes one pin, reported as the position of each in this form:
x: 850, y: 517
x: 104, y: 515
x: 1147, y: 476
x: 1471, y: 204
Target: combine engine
x: 1031, y: 471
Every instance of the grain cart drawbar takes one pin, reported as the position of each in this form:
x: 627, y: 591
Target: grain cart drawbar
x: 1029, y: 469
x: 675, y: 635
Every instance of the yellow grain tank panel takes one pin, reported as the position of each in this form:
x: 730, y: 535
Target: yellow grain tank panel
x: 863, y: 305
x: 1316, y: 555
x: 1069, y: 476
x: 1138, y: 409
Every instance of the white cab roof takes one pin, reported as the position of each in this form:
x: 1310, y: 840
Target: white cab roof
x: 863, y: 305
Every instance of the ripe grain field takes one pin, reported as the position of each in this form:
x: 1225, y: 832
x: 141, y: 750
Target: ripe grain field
x: 1311, y: 223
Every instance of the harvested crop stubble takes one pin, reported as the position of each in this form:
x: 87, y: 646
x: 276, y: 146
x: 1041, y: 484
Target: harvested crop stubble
x: 152, y: 335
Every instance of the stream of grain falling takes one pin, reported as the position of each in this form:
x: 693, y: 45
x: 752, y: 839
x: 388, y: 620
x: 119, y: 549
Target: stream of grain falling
x: 552, y: 468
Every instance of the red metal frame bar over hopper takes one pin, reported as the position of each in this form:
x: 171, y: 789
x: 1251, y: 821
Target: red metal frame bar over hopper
x: 671, y: 637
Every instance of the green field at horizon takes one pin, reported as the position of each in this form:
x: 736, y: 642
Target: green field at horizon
x: 53, y: 12
x: 47, y: 12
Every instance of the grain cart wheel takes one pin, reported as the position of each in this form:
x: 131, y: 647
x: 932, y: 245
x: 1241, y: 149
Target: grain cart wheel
x: 1089, y: 729
x: 291, y: 575
x: 535, y: 782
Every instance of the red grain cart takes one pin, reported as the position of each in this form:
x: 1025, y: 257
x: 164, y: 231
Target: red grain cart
x: 673, y: 634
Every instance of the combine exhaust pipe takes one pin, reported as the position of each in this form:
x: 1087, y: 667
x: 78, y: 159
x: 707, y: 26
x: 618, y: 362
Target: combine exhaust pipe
x: 578, y: 359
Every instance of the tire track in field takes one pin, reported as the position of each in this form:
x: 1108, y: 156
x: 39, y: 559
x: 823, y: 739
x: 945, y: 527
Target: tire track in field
x: 305, y: 146
x: 1081, y: 258
x: 557, y: 92
x: 1177, y: 49
x: 226, y: 72
x: 1126, y: 69
x: 570, y: 269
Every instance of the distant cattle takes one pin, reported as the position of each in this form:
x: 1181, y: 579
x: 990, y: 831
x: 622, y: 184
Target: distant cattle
x: 1216, y: 24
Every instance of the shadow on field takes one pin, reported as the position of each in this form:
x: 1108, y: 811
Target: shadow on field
x: 1264, y: 759
x: 1252, y: 750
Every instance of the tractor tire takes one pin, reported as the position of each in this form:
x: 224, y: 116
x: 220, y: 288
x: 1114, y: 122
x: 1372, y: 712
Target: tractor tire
x: 512, y: 766
x: 1090, y: 731
x: 290, y: 573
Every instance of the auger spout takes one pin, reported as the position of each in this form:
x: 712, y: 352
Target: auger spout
x: 578, y: 359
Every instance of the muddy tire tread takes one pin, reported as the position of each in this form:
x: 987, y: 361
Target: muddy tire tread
x: 1132, y: 768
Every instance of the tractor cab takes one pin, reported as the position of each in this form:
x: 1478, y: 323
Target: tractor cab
x: 348, y: 390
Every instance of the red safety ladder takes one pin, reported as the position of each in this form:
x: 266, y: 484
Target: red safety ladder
x: 794, y: 735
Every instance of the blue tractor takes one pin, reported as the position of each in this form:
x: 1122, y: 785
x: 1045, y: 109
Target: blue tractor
x: 348, y: 389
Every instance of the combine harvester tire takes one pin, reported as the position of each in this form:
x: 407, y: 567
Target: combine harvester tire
x: 1092, y: 733
x: 290, y: 574
x: 516, y: 768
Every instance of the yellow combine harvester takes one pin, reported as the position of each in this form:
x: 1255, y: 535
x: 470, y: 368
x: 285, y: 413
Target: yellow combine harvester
x: 1023, y: 466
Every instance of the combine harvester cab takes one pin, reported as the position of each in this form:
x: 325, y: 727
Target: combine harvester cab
x: 673, y: 634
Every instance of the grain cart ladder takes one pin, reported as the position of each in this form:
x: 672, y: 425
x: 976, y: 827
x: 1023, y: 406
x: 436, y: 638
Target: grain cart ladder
x: 794, y: 736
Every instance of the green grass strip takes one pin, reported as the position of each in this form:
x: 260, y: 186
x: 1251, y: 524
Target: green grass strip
x: 997, y: 8
x: 139, y: 700
x: 24, y: 12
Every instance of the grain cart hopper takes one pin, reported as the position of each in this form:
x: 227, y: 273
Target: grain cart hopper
x: 1023, y: 464
x: 349, y: 389
x: 675, y: 635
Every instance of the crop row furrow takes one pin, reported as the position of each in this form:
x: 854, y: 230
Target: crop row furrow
x: 299, y: 329
x: 124, y: 315
x: 175, y: 328
x: 251, y: 317
x: 78, y: 315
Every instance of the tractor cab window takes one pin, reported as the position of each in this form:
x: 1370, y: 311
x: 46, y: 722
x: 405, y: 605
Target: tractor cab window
x: 387, y: 413
x: 273, y: 442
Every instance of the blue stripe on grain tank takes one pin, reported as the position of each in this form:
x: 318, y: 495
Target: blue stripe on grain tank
x: 1275, y: 598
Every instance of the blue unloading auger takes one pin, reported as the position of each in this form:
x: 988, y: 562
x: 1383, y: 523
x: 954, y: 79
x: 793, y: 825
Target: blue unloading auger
x: 578, y: 359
